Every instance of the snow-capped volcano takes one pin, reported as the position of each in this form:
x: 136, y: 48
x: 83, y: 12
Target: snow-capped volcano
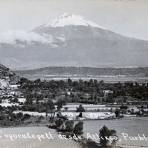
x: 37, y: 35
x: 71, y: 19
x: 71, y: 40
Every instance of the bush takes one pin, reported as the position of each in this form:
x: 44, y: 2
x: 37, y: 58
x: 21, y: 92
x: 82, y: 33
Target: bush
x: 78, y: 129
x: 69, y: 126
x: 26, y: 116
x: 104, y: 135
x: 58, y: 122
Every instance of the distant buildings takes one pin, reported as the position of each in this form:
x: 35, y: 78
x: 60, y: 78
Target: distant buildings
x: 9, y: 93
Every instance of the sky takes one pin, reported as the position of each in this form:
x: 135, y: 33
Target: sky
x: 127, y: 17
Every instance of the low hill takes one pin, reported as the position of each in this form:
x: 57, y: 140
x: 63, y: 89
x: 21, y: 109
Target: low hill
x: 82, y: 72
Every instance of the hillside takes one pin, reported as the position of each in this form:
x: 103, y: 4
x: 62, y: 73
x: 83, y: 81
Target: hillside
x: 4, y: 71
x: 82, y: 72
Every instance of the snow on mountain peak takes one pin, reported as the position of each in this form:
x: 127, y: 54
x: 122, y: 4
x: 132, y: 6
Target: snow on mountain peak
x: 71, y: 19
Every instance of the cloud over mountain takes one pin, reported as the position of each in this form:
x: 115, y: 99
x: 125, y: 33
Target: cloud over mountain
x: 14, y: 37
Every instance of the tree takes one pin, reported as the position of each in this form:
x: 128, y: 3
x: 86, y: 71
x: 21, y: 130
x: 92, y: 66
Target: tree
x: 49, y: 107
x: 80, y: 109
x: 69, y: 82
x: 37, y: 81
x: 23, y: 80
x: 123, y: 107
x: 60, y: 104
x: 15, y: 100
x: 117, y: 113
x: 29, y: 100
x: 104, y: 135
x: 19, y: 116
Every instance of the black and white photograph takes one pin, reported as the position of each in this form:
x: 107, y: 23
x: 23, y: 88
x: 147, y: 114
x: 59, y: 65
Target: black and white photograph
x: 73, y: 73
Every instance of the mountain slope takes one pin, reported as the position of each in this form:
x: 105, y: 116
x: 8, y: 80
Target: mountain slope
x: 4, y: 71
x: 71, y: 40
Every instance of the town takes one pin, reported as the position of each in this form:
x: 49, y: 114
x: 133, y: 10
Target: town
x: 74, y: 100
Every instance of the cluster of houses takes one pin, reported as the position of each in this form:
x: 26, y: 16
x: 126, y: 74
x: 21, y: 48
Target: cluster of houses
x: 10, y: 94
